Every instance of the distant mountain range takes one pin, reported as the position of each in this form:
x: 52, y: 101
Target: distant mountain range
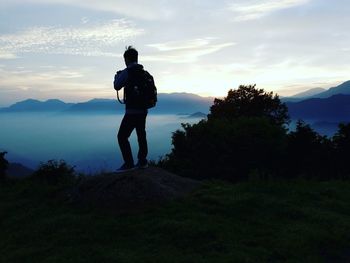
x: 172, y: 103
x: 308, y: 93
x: 343, y: 88
x: 38, y: 106
x: 316, y: 104
x: 331, y: 105
x: 334, y: 108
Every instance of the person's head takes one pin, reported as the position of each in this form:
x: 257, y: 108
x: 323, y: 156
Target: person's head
x: 130, y: 55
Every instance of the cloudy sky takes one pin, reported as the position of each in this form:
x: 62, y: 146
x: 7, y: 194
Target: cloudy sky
x: 71, y: 49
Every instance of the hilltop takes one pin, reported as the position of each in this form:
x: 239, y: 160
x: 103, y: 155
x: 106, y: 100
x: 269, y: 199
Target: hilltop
x: 131, y: 190
x: 256, y: 221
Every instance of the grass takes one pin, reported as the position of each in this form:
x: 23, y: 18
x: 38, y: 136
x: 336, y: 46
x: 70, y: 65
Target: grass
x: 258, y: 221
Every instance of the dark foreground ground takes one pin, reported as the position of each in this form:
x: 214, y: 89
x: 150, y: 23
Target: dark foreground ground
x: 257, y: 221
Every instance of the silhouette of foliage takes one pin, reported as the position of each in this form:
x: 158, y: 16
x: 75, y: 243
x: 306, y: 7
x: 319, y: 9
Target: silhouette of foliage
x: 54, y: 172
x: 226, y: 149
x: 308, y: 153
x: 341, y: 143
x: 245, y: 135
x: 248, y: 101
x: 4, y: 164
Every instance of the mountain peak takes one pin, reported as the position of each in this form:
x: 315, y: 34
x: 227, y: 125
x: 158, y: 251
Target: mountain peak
x: 308, y: 93
x: 345, y: 85
x: 343, y: 88
x: 53, y: 101
x: 97, y: 100
x: 37, y: 105
x: 28, y: 101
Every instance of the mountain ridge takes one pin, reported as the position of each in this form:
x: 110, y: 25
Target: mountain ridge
x: 308, y: 93
x: 343, y: 88
x: 167, y: 103
x: 334, y: 108
x: 37, y: 105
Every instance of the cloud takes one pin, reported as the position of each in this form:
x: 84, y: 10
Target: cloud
x: 185, y: 51
x: 85, y: 40
x: 23, y: 77
x: 84, y: 20
x: 140, y: 9
x: 250, y: 10
x: 4, y: 54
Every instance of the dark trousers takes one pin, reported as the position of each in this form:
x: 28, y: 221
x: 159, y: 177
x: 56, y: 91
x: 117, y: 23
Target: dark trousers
x: 129, y: 123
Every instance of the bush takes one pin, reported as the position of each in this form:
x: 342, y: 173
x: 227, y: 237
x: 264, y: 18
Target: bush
x: 4, y: 164
x: 341, y: 143
x: 309, y: 154
x: 245, y: 135
x: 54, y: 172
x: 226, y: 149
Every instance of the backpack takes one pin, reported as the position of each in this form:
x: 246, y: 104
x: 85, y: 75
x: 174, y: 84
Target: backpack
x: 140, y: 91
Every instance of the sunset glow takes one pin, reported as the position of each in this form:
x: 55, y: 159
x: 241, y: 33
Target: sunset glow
x: 71, y: 50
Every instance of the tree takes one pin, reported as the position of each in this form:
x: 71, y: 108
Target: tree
x: 244, y: 134
x: 341, y: 139
x: 309, y: 153
x: 227, y: 149
x: 341, y: 142
x: 3, y: 165
x: 247, y: 101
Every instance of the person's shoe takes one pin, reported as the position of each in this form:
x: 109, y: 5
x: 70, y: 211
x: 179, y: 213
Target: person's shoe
x: 125, y: 168
x: 142, y: 164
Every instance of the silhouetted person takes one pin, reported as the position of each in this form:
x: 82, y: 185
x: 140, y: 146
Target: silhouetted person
x: 4, y: 164
x: 135, y: 109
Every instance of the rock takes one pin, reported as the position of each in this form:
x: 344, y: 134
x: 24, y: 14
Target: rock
x: 131, y: 190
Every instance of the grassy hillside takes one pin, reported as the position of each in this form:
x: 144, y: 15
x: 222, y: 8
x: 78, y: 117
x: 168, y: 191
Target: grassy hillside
x: 295, y: 221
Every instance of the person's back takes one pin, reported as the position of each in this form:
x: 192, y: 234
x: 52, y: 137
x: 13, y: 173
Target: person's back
x: 135, y: 111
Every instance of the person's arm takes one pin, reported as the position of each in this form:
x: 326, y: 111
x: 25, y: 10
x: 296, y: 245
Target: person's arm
x: 120, y: 79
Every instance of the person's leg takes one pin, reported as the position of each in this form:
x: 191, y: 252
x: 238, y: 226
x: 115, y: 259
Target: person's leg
x: 141, y: 137
x: 126, y: 127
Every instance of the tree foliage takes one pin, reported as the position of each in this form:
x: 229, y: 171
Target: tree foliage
x: 308, y: 153
x: 4, y: 164
x: 248, y: 101
x: 228, y: 149
x: 246, y: 134
x: 341, y: 143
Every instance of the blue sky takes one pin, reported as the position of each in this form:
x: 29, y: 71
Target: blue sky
x: 71, y: 49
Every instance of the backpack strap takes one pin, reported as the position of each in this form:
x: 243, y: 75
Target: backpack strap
x: 120, y: 101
